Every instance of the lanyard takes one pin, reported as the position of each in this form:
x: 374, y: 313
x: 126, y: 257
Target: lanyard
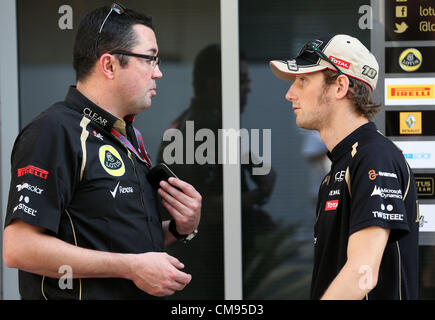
x: 143, y: 156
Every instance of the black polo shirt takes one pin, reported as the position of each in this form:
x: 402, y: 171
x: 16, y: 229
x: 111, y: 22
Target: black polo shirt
x: 75, y: 179
x: 370, y: 184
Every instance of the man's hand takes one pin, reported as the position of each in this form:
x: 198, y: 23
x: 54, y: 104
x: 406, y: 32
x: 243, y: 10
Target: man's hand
x: 158, y: 273
x: 184, y: 206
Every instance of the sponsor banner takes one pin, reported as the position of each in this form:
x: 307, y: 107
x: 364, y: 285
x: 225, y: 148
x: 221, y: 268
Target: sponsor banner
x: 409, y: 59
x: 409, y: 20
x: 409, y: 91
x: 419, y: 154
x: 427, y: 217
x: 425, y: 185
x: 420, y: 123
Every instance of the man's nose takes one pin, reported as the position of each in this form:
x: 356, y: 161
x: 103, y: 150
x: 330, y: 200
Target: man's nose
x: 157, y: 73
x: 290, y: 95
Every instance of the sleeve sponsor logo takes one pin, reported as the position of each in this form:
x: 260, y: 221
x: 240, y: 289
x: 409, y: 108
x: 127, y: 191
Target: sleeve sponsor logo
x: 373, y: 174
x: 410, y: 123
x: 23, y: 206
x: 29, y: 187
x: 387, y: 193
x: 111, y: 161
x: 340, y: 62
x: 387, y: 215
x: 410, y: 60
x: 33, y: 171
x: 331, y: 205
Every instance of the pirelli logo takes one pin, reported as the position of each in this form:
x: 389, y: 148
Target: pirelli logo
x: 33, y: 171
x: 411, y: 91
x: 425, y: 185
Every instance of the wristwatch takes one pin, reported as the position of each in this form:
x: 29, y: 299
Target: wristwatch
x: 182, y: 237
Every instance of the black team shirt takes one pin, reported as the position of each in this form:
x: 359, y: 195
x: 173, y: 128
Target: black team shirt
x: 74, y: 178
x: 370, y: 184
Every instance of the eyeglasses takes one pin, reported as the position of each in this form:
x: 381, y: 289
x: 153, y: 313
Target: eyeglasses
x: 115, y: 7
x: 154, y: 60
x: 310, y: 47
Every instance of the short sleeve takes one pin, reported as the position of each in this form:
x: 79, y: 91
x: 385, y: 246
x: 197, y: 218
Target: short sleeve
x: 43, y: 174
x: 378, y: 183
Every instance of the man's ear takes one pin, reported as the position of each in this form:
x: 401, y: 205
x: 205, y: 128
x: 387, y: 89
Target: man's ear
x: 107, y: 64
x: 342, y: 86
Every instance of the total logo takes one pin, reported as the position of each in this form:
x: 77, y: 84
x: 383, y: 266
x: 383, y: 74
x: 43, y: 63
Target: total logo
x: 340, y: 63
x: 23, y: 206
x: 331, y: 205
x: 27, y: 186
x: 121, y: 190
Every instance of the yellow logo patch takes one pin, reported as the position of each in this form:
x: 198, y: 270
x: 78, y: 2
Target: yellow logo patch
x: 111, y: 161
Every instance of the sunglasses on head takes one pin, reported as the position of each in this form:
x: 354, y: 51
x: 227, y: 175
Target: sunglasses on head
x: 311, y: 47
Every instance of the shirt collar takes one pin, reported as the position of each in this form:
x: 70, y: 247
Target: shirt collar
x: 345, y: 145
x: 77, y: 101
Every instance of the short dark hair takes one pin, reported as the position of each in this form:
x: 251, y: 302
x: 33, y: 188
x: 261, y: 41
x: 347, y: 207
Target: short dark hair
x: 117, y: 34
x: 360, y: 94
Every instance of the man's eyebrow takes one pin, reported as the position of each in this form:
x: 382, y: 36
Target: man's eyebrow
x: 152, y: 50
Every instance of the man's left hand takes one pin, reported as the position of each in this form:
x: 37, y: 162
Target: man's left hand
x: 183, y: 202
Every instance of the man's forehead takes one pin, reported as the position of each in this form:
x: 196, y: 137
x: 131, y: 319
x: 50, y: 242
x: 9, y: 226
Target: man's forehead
x: 146, y: 39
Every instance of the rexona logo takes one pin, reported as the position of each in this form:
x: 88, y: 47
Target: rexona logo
x: 415, y: 91
x: 339, y: 62
x: 331, y: 205
x: 111, y: 161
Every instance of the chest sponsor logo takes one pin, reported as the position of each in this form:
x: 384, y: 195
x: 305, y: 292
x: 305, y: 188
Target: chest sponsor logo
x: 386, y: 193
x: 22, y: 206
x: 331, y: 205
x: 410, y: 123
x: 95, y: 117
x: 120, y: 190
x: 419, y: 154
x: 334, y: 193
x: 373, y: 174
x: 386, y: 214
x: 410, y: 60
x: 409, y: 91
x: 33, y: 171
x: 97, y: 135
x: 339, y: 176
x: 29, y: 187
x: 111, y: 161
